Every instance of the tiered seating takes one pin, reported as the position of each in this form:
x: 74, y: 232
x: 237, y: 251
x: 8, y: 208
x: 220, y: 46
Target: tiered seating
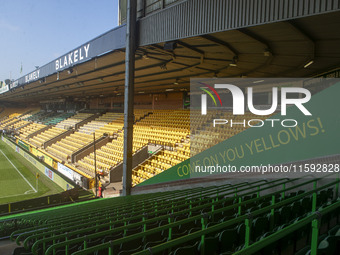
x: 199, y: 121
x: 99, y: 122
x: 111, y: 154
x: 18, y: 124
x: 165, y: 127
x: 160, y: 162
x: 47, y: 135
x: 221, y: 219
x: 154, y: 128
x: 107, y: 156
x: 30, y: 129
x: 72, y: 121
x: 111, y: 128
x: 8, y: 122
x: 29, y: 114
x: 141, y: 113
x: 208, y: 135
x: 118, y: 124
x: 38, y: 116
x: 11, y: 117
x: 70, y: 144
x: 55, y: 119
x: 11, y: 113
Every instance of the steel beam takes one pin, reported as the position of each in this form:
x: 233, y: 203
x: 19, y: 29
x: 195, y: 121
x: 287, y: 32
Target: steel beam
x: 129, y: 93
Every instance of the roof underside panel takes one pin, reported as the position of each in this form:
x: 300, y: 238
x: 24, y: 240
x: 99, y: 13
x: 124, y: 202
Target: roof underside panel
x: 198, y: 17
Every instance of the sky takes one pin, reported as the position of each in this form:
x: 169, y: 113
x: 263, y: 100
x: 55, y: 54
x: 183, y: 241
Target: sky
x: 35, y: 32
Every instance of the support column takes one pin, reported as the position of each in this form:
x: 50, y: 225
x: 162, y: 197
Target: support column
x: 129, y: 93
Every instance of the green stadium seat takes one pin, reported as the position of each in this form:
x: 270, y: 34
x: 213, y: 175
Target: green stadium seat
x: 259, y: 227
x: 97, y: 223
x: 154, y: 243
x: 227, y: 239
x: 187, y: 250
x: 131, y: 247
x: 304, y: 251
x: 328, y: 246
x: 211, y: 245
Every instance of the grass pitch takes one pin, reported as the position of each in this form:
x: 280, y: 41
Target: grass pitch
x: 18, y: 178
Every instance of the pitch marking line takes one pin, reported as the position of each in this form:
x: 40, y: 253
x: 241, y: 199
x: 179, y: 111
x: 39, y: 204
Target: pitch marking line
x: 19, y: 172
x: 17, y: 195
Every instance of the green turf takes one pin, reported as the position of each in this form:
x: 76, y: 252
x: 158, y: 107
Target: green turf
x: 13, y: 186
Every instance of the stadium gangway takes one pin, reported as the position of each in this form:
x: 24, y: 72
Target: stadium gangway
x: 171, y: 225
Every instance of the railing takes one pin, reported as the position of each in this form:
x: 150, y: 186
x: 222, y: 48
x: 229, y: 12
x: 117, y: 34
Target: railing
x: 201, y: 234
x: 171, y: 225
x: 40, y: 202
x: 142, y: 204
x: 315, y: 219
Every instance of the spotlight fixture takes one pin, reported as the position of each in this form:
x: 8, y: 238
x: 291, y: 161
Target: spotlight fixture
x: 267, y: 53
x: 101, y: 80
x: 234, y: 61
x: 308, y: 64
x: 69, y: 71
x: 145, y: 56
x: 176, y: 81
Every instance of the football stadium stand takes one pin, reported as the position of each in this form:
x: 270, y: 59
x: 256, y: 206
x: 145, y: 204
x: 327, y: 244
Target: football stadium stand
x: 55, y: 119
x: 70, y: 144
x: 286, y: 214
x: 123, y: 130
x: 73, y: 121
x: 29, y: 114
x: 99, y: 122
x: 168, y: 129
x: 45, y: 136
x: 30, y: 129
